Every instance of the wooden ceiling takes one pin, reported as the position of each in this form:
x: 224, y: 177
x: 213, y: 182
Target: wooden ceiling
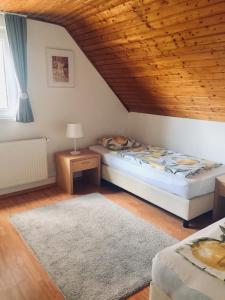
x: 162, y: 57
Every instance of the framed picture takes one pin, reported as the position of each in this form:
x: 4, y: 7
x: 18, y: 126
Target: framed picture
x: 60, y: 67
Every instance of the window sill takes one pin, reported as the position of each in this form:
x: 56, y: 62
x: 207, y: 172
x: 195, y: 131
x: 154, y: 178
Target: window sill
x: 7, y: 118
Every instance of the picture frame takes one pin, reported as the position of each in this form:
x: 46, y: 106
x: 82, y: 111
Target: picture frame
x: 60, y: 67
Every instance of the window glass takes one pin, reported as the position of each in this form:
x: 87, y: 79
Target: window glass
x: 8, y: 82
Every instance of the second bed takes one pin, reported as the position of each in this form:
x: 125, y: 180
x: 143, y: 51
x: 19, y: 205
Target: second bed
x: 185, y: 197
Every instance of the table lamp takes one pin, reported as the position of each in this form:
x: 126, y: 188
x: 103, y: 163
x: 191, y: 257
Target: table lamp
x: 74, y: 131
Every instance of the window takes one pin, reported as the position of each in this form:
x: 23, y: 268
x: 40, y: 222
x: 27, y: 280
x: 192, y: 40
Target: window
x: 8, y: 82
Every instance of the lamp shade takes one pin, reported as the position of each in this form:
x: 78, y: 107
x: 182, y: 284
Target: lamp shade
x: 74, y: 131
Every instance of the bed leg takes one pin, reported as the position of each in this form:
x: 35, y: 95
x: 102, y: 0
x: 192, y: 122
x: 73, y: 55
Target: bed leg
x: 185, y: 223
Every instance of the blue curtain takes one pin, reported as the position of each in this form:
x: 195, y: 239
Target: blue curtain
x: 16, y: 27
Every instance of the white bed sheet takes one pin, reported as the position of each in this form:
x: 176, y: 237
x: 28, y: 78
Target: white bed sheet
x: 188, y: 188
x: 179, y: 279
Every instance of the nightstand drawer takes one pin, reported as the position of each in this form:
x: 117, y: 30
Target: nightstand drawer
x: 85, y: 164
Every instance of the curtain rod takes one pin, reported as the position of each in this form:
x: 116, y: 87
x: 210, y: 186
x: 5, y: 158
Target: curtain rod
x: 11, y: 13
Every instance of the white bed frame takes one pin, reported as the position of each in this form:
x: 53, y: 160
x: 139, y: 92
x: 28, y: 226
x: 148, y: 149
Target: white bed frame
x: 182, y: 207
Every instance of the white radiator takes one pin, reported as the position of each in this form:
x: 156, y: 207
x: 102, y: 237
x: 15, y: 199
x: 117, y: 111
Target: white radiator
x: 23, y: 162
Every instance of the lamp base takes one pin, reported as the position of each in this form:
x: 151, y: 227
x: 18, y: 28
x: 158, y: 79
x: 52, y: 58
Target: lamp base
x: 75, y: 152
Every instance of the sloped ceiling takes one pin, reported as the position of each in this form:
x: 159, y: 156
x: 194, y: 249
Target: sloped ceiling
x: 162, y: 57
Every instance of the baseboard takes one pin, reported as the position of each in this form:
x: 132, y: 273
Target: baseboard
x: 28, y: 186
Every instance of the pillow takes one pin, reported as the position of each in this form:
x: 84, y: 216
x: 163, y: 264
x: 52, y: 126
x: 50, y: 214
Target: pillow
x: 116, y: 143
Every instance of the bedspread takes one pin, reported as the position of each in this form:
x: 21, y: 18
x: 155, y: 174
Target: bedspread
x: 168, y: 160
x: 197, y: 274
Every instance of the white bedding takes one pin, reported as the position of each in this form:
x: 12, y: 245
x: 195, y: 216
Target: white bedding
x: 180, y: 279
x: 188, y: 188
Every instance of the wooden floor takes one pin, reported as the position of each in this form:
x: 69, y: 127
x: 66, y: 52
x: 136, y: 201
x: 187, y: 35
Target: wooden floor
x: 21, y: 275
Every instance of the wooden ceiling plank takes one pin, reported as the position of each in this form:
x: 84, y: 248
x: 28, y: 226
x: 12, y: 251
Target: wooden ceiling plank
x: 192, y: 43
x: 213, y: 24
x: 91, y: 8
x: 158, y: 21
x: 164, y: 57
x: 123, y: 7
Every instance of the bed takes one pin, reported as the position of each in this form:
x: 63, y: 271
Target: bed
x: 177, y: 274
x: 184, y: 197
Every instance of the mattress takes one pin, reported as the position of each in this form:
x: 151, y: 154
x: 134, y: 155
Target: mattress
x: 188, y: 188
x: 180, y: 279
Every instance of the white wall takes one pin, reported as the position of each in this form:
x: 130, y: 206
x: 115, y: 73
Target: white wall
x: 205, y: 139
x: 90, y: 102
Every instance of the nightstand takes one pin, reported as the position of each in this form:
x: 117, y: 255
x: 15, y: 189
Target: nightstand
x: 87, y: 162
x: 219, y: 198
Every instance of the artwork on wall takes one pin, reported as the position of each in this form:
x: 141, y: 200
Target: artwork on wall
x: 60, y: 67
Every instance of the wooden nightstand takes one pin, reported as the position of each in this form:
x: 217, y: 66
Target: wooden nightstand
x: 219, y: 198
x: 66, y: 165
